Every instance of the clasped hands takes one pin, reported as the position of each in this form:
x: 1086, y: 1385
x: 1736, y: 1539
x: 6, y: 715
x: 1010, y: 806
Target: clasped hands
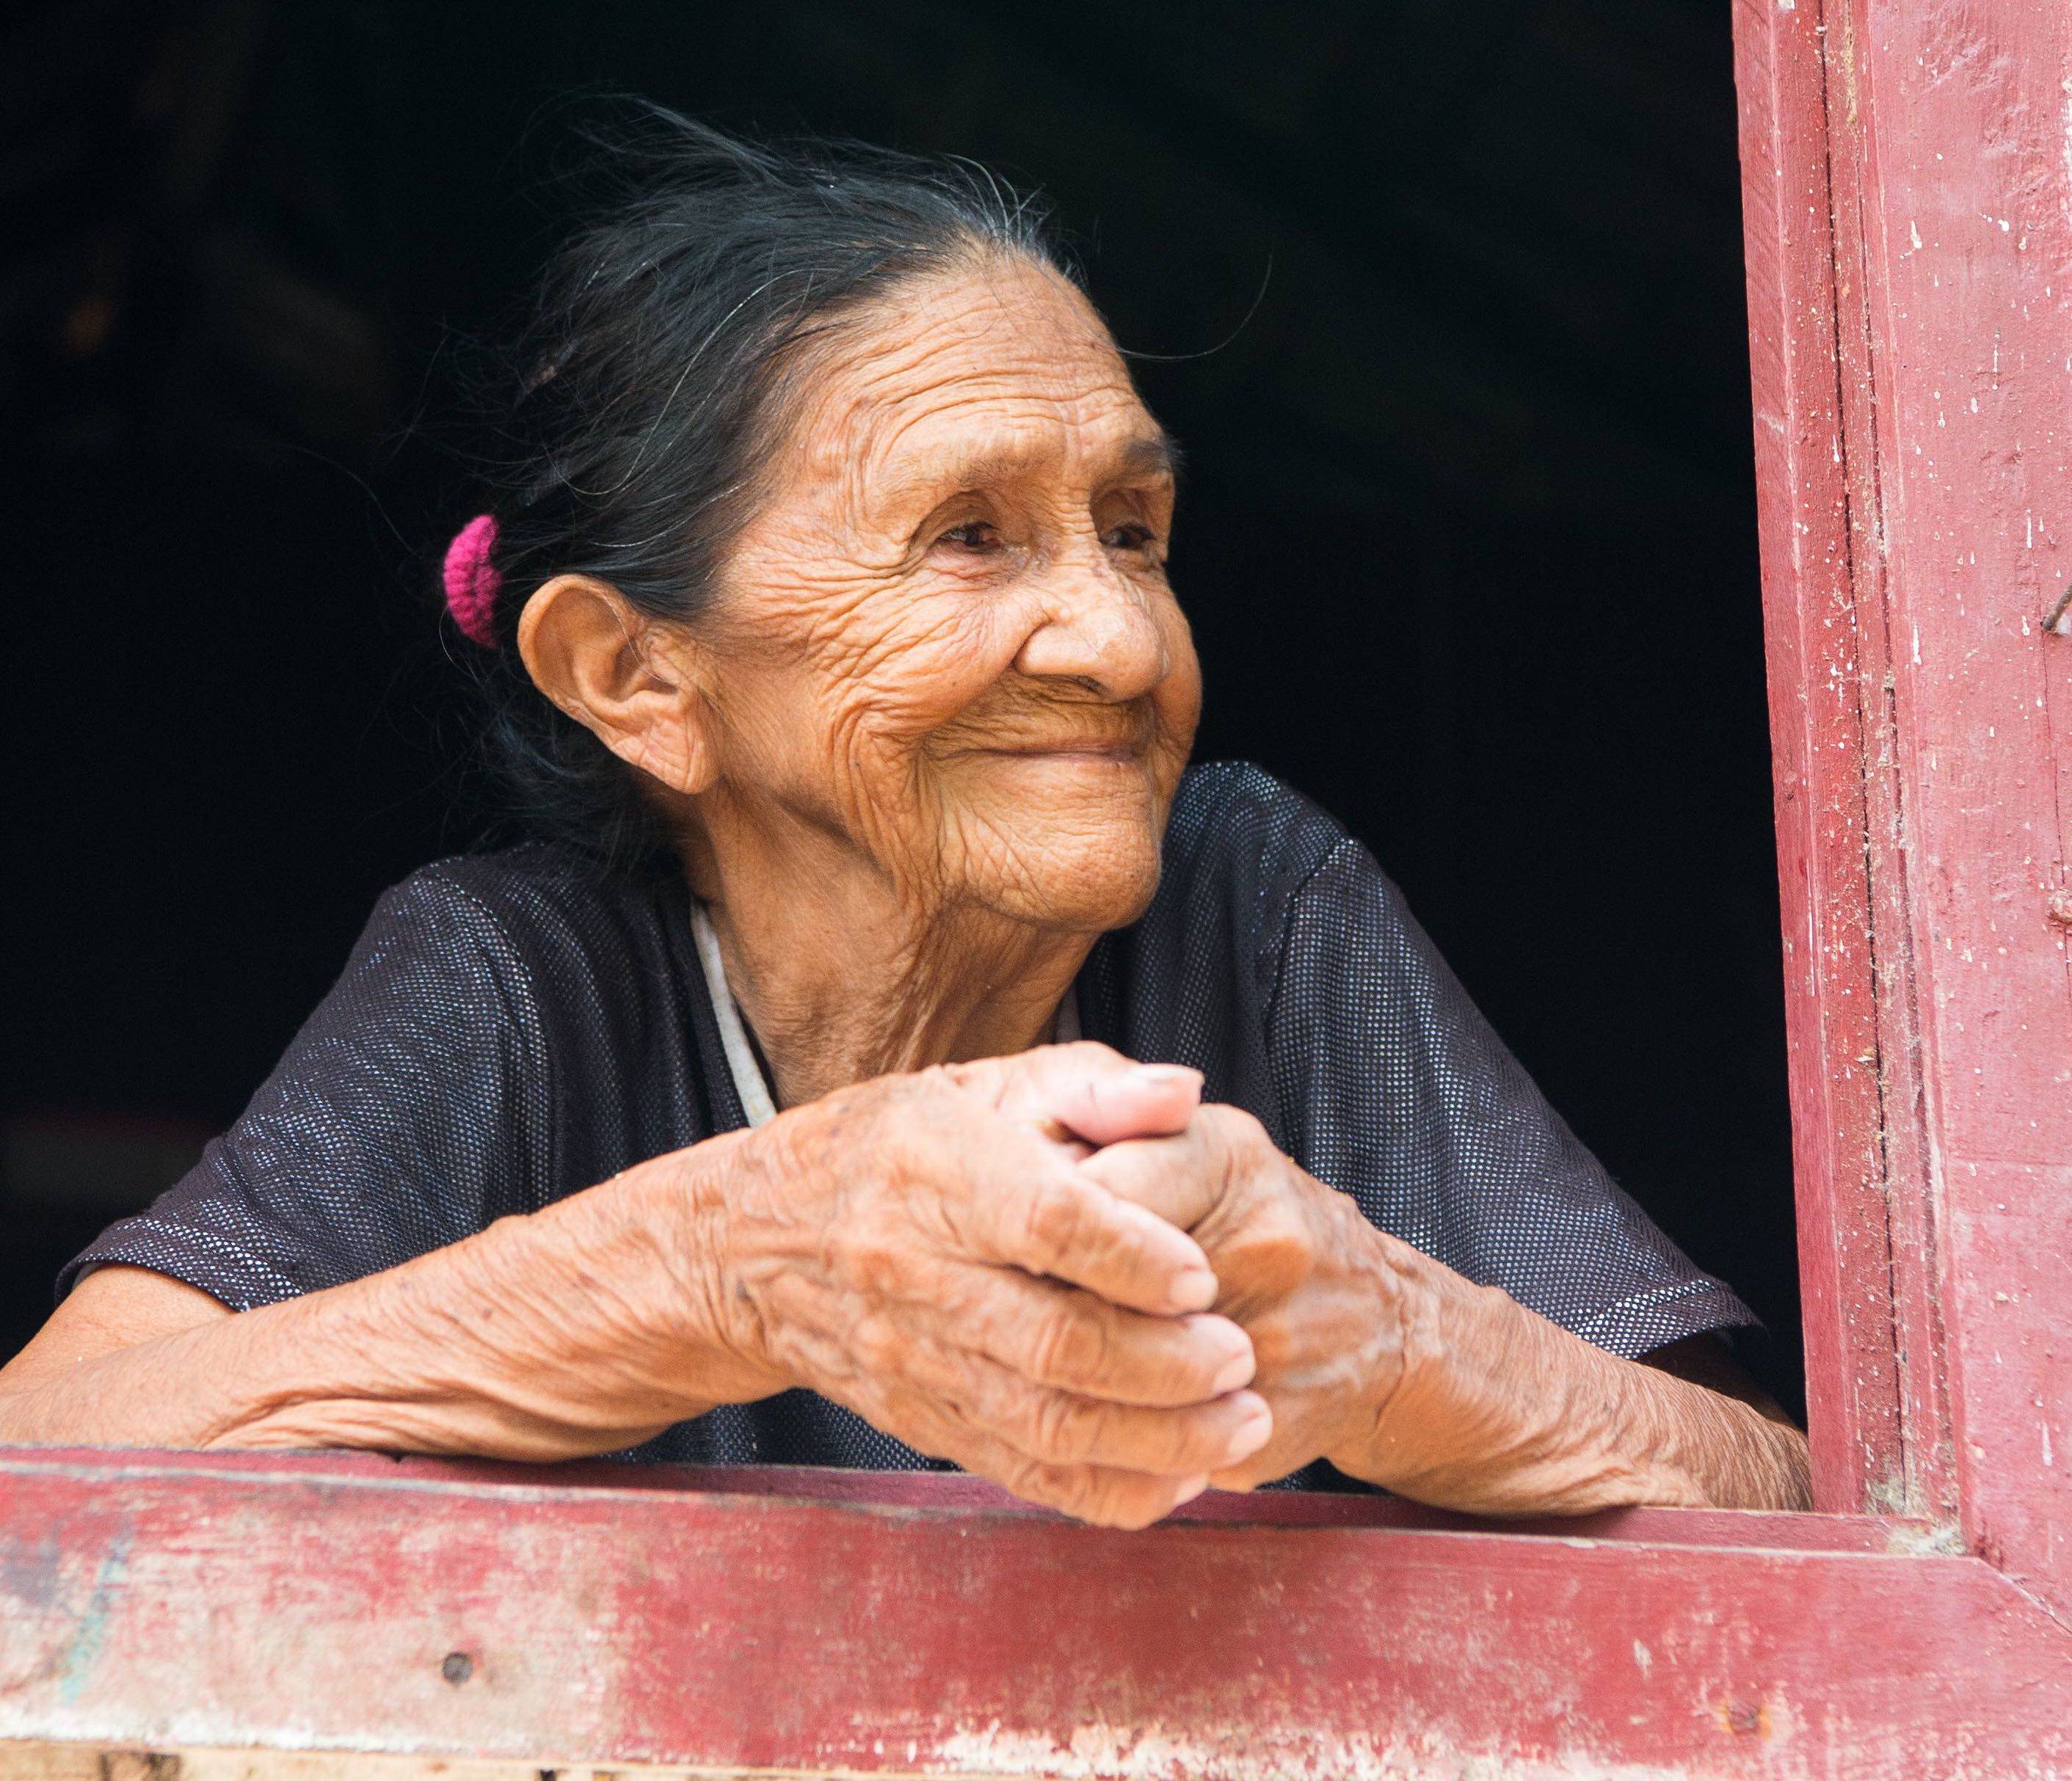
x: 1063, y: 1272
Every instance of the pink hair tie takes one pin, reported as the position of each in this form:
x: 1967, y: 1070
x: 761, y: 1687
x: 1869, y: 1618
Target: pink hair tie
x: 472, y: 580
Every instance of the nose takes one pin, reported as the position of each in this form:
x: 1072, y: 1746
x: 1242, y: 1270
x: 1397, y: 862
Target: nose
x: 1097, y: 628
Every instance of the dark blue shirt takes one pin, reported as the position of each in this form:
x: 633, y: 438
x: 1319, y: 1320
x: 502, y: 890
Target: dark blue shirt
x: 513, y: 1027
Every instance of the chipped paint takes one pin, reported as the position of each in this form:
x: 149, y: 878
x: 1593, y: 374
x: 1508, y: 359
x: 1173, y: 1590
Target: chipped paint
x: 1104, y: 1753
x: 76, y: 1662
x: 686, y: 1623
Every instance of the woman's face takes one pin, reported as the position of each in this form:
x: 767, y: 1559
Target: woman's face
x: 946, y: 642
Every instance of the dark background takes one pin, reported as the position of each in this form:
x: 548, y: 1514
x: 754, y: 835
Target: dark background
x: 1469, y: 537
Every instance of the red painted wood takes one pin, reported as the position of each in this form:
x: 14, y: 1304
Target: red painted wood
x: 1967, y: 254
x: 1862, y: 1192
x: 1908, y: 196
x: 1725, y: 1528
x: 304, y: 1603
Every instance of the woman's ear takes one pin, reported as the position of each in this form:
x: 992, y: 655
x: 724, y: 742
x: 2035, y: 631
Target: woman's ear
x: 622, y: 676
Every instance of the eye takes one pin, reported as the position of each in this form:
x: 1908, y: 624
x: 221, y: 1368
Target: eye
x: 973, y: 534
x: 1130, y: 536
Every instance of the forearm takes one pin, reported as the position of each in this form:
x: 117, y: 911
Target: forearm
x: 582, y: 1328
x: 1531, y: 1419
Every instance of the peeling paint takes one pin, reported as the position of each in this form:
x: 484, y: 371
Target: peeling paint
x: 76, y: 1662
x: 1107, y: 1753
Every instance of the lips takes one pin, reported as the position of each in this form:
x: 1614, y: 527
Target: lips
x: 1099, y: 751
x: 1113, y: 734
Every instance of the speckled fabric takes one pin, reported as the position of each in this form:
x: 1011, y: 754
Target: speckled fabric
x: 510, y: 1030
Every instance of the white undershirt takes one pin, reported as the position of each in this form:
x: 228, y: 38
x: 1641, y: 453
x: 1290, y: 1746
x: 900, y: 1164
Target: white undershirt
x: 749, y: 1081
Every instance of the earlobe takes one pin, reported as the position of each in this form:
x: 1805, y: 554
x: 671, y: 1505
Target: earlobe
x: 613, y: 669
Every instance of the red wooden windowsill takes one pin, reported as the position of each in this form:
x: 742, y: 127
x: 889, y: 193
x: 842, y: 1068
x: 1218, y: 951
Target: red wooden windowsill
x: 1909, y: 209
x: 816, y: 1622
x: 941, y: 1493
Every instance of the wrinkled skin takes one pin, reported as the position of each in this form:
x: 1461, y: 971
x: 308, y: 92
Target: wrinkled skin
x: 923, y: 1248
x: 947, y: 637
x: 1399, y: 1372
x: 923, y: 747
x: 920, y: 753
x: 977, y: 1295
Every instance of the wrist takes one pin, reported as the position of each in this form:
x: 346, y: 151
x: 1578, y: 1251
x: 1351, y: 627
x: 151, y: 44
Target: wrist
x: 1494, y: 1410
x: 1413, y: 1322
x: 688, y: 1204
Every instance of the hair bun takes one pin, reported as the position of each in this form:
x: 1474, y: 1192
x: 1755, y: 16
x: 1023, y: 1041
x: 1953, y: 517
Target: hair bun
x: 471, y: 580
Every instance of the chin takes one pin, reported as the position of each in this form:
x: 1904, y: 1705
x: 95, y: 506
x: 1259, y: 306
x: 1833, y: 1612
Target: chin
x: 1113, y: 900
x: 1065, y: 843
x: 1089, y: 879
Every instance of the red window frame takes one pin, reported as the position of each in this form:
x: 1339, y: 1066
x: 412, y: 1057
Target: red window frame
x: 1907, y: 184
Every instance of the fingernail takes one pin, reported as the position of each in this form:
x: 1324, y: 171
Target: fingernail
x: 1191, y: 1489
x: 1194, y: 1289
x: 1236, y: 1371
x: 1171, y: 1076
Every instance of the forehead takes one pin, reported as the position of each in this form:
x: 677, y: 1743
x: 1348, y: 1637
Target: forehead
x: 1003, y: 360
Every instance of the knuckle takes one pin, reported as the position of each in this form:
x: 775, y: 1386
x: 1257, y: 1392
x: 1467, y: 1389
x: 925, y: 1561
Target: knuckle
x: 1274, y: 1254
x: 876, y: 1345
x: 974, y: 1298
x: 1069, y: 1347
x: 1270, y: 1265
x: 1239, y: 1132
x: 1027, y: 1478
x: 1053, y: 1222
x: 1062, y: 1430
x: 1071, y: 1490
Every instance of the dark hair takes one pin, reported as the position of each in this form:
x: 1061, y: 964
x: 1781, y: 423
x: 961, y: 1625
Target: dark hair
x: 628, y: 420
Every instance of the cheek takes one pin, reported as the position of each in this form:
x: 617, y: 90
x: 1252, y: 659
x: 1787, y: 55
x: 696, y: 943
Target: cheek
x: 819, y: 650
x: 1177, y: 700
x: 912, y: 662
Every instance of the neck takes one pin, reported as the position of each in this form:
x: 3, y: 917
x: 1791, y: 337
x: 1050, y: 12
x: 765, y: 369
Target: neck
x: 842, y: 978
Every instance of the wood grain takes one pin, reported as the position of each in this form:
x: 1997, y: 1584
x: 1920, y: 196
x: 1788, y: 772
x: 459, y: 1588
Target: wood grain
x: 433, y: 1612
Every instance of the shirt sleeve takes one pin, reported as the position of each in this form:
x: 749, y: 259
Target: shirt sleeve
x: 411, y: 1109
x: 1401, y: 1095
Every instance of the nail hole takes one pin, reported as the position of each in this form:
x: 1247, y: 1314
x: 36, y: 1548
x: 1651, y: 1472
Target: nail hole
x: 457, y: 1667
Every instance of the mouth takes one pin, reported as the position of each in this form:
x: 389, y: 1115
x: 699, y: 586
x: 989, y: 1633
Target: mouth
x: 1118, y: 753
x: 1123, y: 740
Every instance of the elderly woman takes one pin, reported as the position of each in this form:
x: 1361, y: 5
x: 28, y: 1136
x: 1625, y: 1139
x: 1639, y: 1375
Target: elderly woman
x: 893, y: 1052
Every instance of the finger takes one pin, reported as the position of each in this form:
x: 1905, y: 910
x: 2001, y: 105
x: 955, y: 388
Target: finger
x: 1099, y: 1494
x: 1105, y: 1496
x: 1060, y: 1428
x: 1249, y: 1475
x: 1177, y: 1178
x: 1058, y: 1335
x: 1052, y: 1220
x: 1285, y: 1453
x: 1063, y: 1428
x: 1088, y: 1091
x: 1103, y: 1107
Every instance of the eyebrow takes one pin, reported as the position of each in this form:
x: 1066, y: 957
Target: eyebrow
x: 1154, y: 454
x: 1159, y: 452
